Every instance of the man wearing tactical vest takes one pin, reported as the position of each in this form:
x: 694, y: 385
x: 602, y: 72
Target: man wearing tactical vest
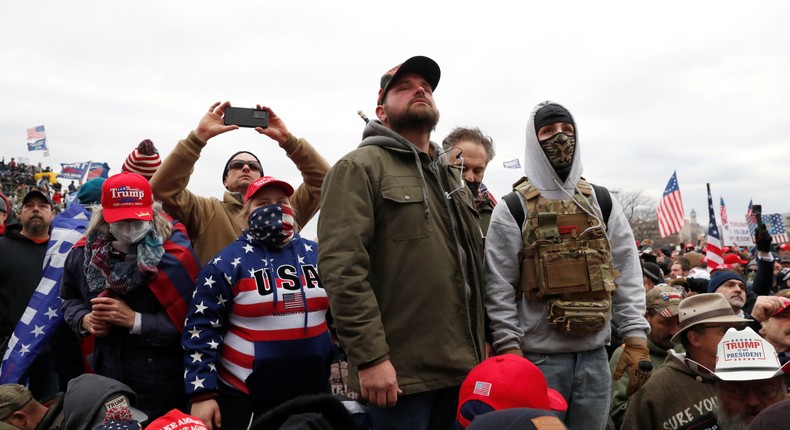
x: 555, y: 280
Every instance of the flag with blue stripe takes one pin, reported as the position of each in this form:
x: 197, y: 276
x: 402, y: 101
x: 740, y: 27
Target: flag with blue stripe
x: 42, y: 315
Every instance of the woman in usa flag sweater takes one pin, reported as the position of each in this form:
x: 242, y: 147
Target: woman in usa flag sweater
x: 256, y: 331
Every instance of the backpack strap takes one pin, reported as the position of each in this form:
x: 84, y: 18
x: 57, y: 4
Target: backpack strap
x: 513, y: 201
x: 604, y: 200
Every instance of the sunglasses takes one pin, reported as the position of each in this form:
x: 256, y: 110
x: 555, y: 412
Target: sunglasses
x: 239, y: 164
x: 739, y: 390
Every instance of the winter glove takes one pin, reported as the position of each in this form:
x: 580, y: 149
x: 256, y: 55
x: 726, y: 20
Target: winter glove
x: 762, y: 239
x: 636, y: 360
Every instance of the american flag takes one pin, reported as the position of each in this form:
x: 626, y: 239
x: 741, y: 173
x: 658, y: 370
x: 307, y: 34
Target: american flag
x: 293, y: 301
x: 37, y: 139
x: 713, y: 248
x: 723, y: 212
x: 42, y: 317
x: 36, y: 133
x: 670, y: 209
x: 775, y: 225
x: 482, y: 388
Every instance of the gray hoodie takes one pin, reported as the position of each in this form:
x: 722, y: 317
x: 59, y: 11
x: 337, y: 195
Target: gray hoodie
x: 523, y: 323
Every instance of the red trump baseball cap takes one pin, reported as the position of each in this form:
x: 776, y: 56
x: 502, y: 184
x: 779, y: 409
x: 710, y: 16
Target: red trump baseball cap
x: 127, y: 196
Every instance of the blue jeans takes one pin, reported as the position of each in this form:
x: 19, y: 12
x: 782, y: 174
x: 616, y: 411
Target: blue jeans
x: 431, y: 410
x: 583, y: 378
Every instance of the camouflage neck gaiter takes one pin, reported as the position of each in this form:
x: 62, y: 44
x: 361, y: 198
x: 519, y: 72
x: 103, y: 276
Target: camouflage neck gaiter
x: 559, y: 150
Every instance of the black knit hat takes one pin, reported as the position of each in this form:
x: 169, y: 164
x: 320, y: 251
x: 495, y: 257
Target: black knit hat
x: 550, y: 114
x: 227, y: 164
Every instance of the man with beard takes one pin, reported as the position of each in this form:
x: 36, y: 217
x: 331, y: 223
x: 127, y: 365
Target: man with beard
x: 662, y: 314
x: 471, y: 151
x: 22, y: 251
x: 400, y: 256
x: 749, y: 378
x: 730, y: 284
x: 679, y: 391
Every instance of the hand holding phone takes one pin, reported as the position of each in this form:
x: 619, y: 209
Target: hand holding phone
x: 246, y: 117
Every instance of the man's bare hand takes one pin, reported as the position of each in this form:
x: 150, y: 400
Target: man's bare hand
x: 276, y: 129
x: 766, y: 306
x: 95, y: 326
x: 208, y: 412
x: 379, y: 384
x: 212, y: 123
x: 112, y: 311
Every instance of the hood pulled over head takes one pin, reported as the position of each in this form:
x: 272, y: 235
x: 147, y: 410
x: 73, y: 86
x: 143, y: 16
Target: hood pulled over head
x: 556, y: 162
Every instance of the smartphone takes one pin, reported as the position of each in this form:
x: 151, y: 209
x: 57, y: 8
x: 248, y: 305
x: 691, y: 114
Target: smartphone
x: 757, y: 210
x: 246, y: 117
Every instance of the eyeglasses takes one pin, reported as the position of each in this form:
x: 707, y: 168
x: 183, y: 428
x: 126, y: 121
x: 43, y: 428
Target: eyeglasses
x: 723, y: 327
x: 739, y: 390
x: 751, y: 270
x: 239, y: 164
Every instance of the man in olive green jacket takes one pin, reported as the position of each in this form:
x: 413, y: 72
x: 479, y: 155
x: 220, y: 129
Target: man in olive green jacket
x: 400, y: 256
x: 213, y: 224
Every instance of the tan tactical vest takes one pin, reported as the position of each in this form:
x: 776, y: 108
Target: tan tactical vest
x: 567, y: 259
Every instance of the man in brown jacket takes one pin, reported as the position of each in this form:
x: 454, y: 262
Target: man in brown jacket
x: 212, y: 223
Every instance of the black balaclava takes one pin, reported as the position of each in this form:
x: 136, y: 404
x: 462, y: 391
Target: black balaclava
x: 560, y: 147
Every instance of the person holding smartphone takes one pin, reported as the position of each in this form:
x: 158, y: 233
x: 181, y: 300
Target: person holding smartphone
x: 213, y: 223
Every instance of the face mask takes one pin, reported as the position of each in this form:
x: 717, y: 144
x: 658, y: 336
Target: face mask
x: 474, y: 187
x: 272, y: 225
x: 559, y: 149
x: 130, y: 231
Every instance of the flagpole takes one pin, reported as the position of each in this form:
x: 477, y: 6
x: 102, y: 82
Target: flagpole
x: 84, y: 175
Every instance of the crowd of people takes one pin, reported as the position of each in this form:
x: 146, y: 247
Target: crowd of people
x: 447, y: 308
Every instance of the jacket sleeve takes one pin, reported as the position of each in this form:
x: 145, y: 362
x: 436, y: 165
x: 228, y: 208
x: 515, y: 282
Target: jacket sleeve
x: 504, y: 251
x: 169, y: 184
x: 763, y: 278
x: 345, y: 235
x: 204, y: 330
x: 307, y: 197
x: 628, y: 300
x: 74, y: 305
x: 619, y: 388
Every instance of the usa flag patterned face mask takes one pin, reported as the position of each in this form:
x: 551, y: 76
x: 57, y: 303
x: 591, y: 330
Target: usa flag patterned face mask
x: 272, y: 225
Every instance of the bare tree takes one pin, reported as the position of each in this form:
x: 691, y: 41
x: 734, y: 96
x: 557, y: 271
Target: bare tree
x: 640, y: 211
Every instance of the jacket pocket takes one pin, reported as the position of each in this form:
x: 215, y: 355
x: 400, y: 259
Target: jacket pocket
x: 404, y: 212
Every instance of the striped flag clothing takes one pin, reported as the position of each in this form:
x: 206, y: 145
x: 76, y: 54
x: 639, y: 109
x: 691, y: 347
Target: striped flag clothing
x: 713, y: 251
x: 775, y: 224
x: 258, y: 322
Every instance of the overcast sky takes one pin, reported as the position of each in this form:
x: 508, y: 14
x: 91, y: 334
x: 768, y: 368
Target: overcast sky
x: 697, y: 87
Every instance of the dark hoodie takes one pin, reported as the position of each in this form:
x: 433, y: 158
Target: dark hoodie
x: 21, y: 265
